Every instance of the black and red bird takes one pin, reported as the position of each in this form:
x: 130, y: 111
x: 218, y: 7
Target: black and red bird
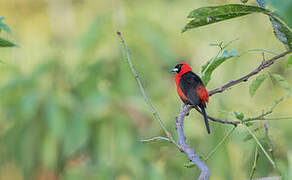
x: 191, y: 89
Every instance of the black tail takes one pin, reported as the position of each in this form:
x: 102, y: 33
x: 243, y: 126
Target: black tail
x: 205, y: 119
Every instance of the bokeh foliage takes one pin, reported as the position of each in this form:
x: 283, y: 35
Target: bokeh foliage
x: 70, y: 108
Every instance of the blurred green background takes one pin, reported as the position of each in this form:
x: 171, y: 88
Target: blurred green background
x: 71, y: 109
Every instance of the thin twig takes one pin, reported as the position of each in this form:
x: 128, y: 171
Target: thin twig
x: 154, y: 139
x: 224, y: 121
x: 245, y: 78
x: 220, y: 143
x: 256, y: 157
x: 205, y: 173
x: 279, y: 118
x: 147, y: 100
x: 260, y: 50
x: 219, y: 52
x: 260, y: 145
x: 262, y: 116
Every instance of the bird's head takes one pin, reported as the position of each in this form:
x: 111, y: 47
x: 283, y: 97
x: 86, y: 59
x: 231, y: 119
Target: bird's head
x: 181, y: 68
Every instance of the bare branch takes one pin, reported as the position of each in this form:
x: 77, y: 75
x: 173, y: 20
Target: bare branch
x: 257, y: 118
x: 147, y: 100
x: 245, y: 78
x: 205, y: 173
x: 154, y: 139
x: 264, y: 114
x: 224, y: 121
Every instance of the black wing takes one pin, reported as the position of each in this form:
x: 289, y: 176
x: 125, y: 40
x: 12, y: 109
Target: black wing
x: 188, y: 83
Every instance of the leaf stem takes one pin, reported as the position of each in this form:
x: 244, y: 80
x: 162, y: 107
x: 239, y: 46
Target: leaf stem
x: 256, y: 157
x: 260, y: 145
x: 220, y: 143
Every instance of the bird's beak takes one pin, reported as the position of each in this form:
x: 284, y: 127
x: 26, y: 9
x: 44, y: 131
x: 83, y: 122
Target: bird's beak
x: 174, y: 70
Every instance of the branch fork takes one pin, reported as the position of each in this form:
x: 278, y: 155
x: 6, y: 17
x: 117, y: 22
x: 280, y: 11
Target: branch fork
x: 184, y: 147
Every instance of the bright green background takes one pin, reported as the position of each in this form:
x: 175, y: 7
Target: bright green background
x: 71, y: 109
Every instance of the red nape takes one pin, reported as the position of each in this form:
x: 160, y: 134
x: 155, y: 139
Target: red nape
x: 203, y: 94
x: 184, y: 69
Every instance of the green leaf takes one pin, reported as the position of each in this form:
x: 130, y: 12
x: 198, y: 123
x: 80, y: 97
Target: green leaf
x: 211, y: 65
x: 238, y: 116
x: 281, y: 31
x: 189, y: 165
x: 256, y: 84
x: 283, y: 9
x: 289, y: 62
x: 209, y: 15
x: 222, y: 47
x: 282, y: 82
x: 203, y: 68
x: 248, y: 124
x: 6, y: 43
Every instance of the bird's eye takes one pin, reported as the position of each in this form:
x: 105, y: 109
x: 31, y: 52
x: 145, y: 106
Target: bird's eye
x: 177, y: 68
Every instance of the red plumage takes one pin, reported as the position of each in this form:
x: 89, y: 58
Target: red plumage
x: 191, y: 89
x: 203, y: 94
x: 179, y: 91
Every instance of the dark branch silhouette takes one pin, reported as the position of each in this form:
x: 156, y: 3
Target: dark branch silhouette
x: 245, y: 78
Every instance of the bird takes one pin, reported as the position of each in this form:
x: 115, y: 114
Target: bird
x: 191, y: 89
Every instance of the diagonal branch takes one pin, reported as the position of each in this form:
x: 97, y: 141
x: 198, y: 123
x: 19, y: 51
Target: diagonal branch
x: 262, y: 66
x: 147, y: 100
x: 205, y: 173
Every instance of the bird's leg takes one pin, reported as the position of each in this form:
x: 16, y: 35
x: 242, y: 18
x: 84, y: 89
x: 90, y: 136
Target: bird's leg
x: 189, y: 107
